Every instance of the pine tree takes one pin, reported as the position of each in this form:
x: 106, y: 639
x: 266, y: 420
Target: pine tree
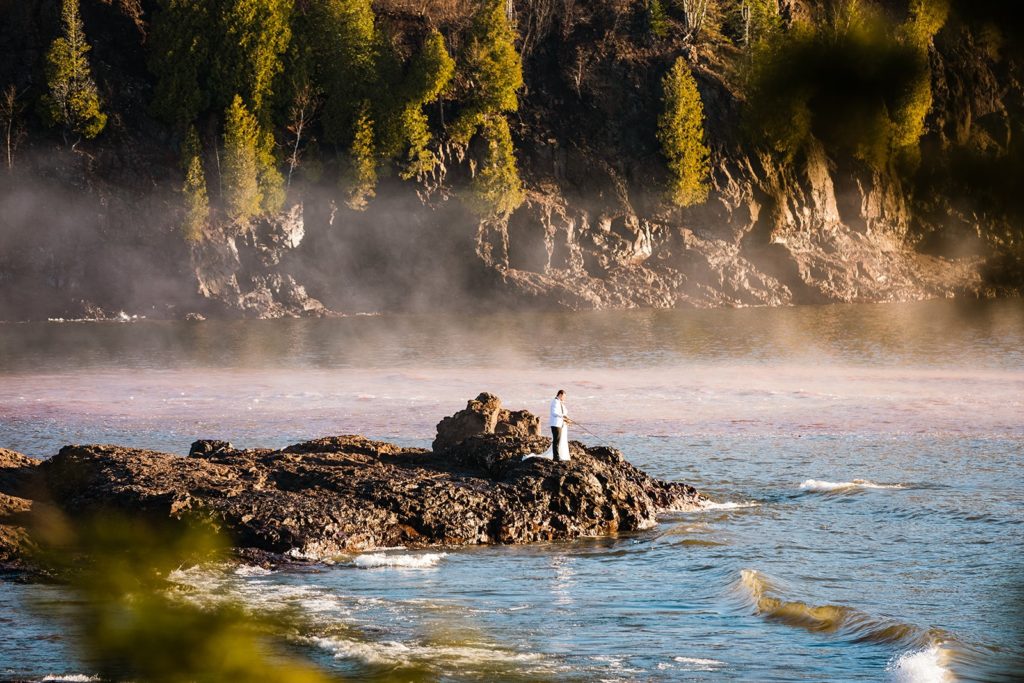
x: 197, y: 204
x: 681, y: 133
x: 658, y: 20
x: 179, y: 56
x: 364, y: 160
x: 73, y: 101
x: 251, y: 40
x: 493, y: 65
x: 346, y: 52
x: 497, y: 189
x: 241, y: 165
x: 270, y: 180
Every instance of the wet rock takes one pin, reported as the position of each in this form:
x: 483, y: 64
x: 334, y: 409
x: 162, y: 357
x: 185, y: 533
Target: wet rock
x: 347, y: 493
x: 484, y: 415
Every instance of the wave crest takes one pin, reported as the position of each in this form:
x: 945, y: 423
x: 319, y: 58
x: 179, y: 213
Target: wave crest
x: 422, y: 561
x: 821, y: 486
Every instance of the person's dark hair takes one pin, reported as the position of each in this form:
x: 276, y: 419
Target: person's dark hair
x: 561, y: 392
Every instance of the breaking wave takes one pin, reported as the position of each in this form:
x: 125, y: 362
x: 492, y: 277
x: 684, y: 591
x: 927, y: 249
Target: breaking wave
x: 819, y: 486
x: 711, y: 505
x: 922, y: 662
x: 423, y: 561
x: 920, y: 666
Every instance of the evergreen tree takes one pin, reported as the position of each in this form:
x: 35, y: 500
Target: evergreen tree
x: 204, y: 52
x: 346, y: 52
x: 271, y: 182
x: 251, y: 38
x: 658, y: 20
x: 681, y: 133
x: 497, y: 189
x: 73, y: 101
x: 179, y: 55
x: 494, y: 68
x: 197, y: 204
x: 431, y: 71
x: 364, y: 162
x: 243, y: 198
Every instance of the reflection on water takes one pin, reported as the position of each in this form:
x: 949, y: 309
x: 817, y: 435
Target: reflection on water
x: 865, y: 464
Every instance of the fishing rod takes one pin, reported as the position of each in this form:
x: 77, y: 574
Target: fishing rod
x: 596, y: 436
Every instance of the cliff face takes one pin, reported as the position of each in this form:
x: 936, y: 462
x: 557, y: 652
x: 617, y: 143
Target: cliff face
x: 94, y: 231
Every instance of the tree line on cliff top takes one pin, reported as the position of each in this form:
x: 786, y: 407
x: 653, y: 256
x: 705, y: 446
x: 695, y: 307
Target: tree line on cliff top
x: 259, y: 90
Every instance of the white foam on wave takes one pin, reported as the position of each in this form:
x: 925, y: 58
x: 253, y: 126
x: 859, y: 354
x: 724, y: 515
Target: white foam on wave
x: 252, y: 570
x: 390, y: 652
x: 920, y: 666
x: 698, y: 663
x: 71, y: 678
x: 711, y: 505
x: 818, y: 485
x: 422, y: 561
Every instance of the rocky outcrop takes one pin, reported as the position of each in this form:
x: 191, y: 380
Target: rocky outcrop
x: 240, y: 271
x: 484, y: 415
x: 17, y: 477
x: 347, y: 494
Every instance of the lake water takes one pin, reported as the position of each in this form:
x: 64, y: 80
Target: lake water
x: 865, y: 463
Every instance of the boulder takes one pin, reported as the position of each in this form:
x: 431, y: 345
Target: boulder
x: 484, y: 415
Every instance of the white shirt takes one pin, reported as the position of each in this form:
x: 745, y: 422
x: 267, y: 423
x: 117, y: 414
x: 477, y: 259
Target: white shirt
x: 558, y: 413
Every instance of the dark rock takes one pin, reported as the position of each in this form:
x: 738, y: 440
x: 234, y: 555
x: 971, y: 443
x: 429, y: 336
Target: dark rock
x: 484, y: 415
x: 17, y: 482
x: 347, y: 493
x: 205, y: 447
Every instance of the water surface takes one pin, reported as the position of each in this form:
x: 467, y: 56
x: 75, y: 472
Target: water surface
x: 866, y: 462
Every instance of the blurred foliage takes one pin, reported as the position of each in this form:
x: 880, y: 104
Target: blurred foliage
x: 132, y: 626
x: 681, y: 133
x: 197, y: 204
x: 72, y: 100
x: 859, y: 81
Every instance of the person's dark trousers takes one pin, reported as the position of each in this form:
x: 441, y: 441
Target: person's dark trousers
x: 556, y: 436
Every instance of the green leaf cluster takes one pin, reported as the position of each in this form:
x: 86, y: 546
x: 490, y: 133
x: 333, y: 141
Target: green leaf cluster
x: 681, y: 133
x: 72, y: 100
x: 197, y: 204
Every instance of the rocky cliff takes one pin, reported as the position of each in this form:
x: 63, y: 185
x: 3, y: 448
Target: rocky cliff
x: 94, y: 231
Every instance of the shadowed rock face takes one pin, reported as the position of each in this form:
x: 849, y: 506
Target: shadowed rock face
x: 347, y: 493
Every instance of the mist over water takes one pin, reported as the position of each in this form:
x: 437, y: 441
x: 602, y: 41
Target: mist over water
x: 865, y: 463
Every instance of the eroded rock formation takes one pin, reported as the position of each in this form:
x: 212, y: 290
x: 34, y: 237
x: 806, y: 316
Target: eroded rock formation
x: 347, y: 493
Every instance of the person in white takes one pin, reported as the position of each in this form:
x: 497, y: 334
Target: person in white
x: 559, y: 431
